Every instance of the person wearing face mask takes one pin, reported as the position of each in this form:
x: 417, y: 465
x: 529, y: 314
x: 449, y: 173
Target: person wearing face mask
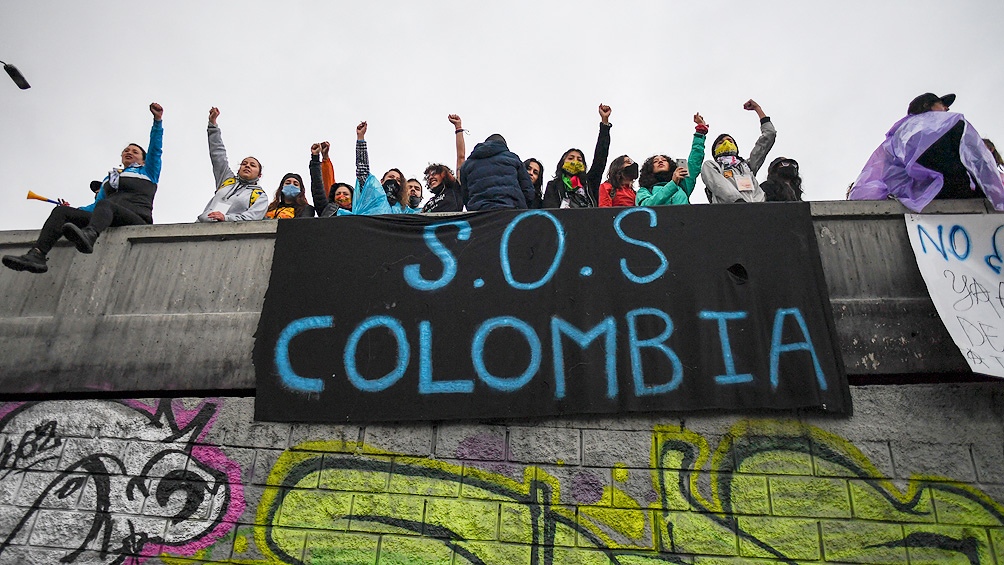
x: 493, y: 178
x: 572, y: 186
x: 238, y: 196
x: 413, y: 187
x: 663, y: 182
x: 783, y: 182
x: 290, y: 200
x: 728, y: 177
x: 619, y: 189
x: 932, y: 153
x: 125, y: 198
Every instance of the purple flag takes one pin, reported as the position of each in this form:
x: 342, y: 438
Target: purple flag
x: 892, y: 170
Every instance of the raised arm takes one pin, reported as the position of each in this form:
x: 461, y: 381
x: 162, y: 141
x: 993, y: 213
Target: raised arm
x: 217, y: 152
x: 362, y: 155
x: 155, y: 149
x: 461, y: 146
x: 317, y: 184
x: 600, y: 153
x: 327, y: 169
x: 696, y: 154
x: 766, y: 140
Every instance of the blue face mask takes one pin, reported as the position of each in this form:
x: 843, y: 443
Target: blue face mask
x: 290, y: 191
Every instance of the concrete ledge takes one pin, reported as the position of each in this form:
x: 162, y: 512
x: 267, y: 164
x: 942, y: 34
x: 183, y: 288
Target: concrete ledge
x: 174, y: 307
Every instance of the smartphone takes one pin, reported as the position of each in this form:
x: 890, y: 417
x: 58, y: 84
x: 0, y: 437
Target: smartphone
x: 683, y: 163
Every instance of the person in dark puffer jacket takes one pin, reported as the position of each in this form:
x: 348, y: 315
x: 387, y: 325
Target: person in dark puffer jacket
x: 494, y: 178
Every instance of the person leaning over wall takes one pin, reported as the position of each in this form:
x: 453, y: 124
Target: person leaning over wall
x: 125, y: 198
x: 238, y: 196
x: 572, y: 186
x: 663, y: 182
x: 730, y: 178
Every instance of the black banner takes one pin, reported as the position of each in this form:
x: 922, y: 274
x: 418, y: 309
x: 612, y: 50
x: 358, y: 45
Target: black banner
x: 547, y: 312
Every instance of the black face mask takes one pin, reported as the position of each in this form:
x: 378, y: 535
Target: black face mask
x: 414, y: 201
x: 391, y: 187
x: 787, y: 172
x: 631, y: 171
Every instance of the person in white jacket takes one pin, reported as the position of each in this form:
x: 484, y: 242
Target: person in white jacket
x: 238, y: 196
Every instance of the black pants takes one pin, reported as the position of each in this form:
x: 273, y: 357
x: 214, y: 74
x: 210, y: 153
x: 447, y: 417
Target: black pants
x: 105, y: 215
x: 943, y: 156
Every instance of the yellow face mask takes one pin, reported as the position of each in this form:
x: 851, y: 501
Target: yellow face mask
x: 573, y: 167
x: 726, y: 147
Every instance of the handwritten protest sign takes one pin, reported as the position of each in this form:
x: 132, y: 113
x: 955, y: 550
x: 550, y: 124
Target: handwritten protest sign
x: 960, y: 257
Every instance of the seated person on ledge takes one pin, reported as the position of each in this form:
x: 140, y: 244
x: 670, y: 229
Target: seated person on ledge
x: 124, y: 199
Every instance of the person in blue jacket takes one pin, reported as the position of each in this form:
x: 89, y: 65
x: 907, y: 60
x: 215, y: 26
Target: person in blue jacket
x: 494, y: 178
x: 124, y: 199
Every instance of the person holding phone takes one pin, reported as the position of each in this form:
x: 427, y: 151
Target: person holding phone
x: 667, y: 182
x: 728, y: 177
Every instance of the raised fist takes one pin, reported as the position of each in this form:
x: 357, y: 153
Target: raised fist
x: 325, y: 146
x: 315, y: 149
x: 361, y: 130
x: 214, y: 113
x: 157, y: 110
x: 605, y: 112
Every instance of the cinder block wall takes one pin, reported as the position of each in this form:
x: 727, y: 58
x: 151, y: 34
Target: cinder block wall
x: 915, y: 476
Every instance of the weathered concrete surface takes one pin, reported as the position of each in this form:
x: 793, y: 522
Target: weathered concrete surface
x: 175, y: 307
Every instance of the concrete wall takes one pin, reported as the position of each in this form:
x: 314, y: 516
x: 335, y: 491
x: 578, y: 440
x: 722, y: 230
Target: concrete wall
x: 94, y: 471
x: 915, y: 476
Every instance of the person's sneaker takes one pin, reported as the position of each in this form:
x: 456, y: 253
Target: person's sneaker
x: 83, y: 239
x: 33, y: 261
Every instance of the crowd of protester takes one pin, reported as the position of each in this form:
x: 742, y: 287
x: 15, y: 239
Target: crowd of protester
x: 493, y: 177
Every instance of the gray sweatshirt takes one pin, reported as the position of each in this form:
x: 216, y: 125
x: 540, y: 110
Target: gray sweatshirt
x: 237, y: 199
x: 726, y: 190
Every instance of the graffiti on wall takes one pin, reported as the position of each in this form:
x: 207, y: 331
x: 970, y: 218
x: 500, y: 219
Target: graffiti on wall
x: 121, y: 481
x: 160, y: 492
x: 702, y: 500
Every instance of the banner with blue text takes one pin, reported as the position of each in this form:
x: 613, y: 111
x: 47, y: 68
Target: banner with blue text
x: 960, y: 257
x: 547, y: 312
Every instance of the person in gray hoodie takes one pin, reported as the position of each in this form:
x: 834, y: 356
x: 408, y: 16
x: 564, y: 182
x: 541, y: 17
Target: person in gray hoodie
x: 238, y: 196
x: 494, y: 178
x: 728, y: 177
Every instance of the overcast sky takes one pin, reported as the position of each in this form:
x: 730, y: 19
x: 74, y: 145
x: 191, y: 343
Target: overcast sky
x: 833, y: 76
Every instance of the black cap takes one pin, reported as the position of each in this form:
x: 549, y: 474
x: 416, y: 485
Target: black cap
x: 923, y: 103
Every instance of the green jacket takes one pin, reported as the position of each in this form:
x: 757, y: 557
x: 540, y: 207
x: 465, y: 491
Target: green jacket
x: 670, y: 193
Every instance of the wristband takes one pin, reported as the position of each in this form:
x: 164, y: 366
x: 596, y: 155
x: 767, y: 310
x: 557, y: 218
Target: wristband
x: 702, y: 129
x: 461, y: 130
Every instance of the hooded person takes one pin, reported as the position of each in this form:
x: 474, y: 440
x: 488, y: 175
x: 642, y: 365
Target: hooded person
x: 494, y: 178
x: 124, y: 198
x: 663, y: 182
x: 783, y: 183
x: 238, y: 196
x: 572, y: 186
x: 290, y: 200
x: 728, y: 177
x: 929, y: 154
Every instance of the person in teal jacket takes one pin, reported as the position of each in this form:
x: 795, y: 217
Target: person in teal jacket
x: 663, y: 183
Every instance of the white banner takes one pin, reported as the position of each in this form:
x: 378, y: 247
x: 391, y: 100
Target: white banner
x: 961, y: 257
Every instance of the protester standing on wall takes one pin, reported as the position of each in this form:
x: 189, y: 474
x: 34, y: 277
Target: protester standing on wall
x: 572, y: 186
x: 664, y: 182
x: 730, y: 178
x: 238, y: 196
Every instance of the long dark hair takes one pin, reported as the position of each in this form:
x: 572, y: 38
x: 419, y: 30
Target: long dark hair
x: 993, y: 151
x: 646, y: 176
x: 558, y: 171
x: 402, y: 192
x: 299, y: 205
x: 616, y: 175
x: 539, y: 184
x: 794, y: 183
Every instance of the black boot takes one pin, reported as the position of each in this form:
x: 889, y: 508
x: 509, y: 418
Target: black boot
x: 83, y: 239
x: 33, y: 261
